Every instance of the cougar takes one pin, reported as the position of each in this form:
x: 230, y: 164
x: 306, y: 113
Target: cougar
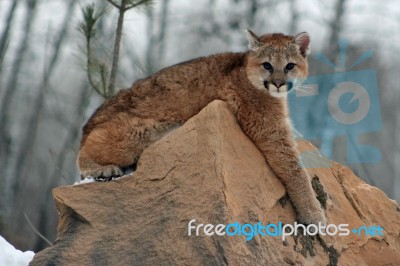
x: 254, y: 84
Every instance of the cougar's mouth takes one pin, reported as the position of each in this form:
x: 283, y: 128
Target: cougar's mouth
x: 266, y: 85
x: 289, y: 86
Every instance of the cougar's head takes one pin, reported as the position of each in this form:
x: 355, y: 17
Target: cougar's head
x: 276, y: 60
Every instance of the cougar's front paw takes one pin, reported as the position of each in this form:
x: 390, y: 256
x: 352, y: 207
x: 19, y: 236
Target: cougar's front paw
x: 104, y: 173
x: 312, y: 215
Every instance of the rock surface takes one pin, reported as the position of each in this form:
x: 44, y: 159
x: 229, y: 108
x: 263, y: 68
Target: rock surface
x: 210, y: 171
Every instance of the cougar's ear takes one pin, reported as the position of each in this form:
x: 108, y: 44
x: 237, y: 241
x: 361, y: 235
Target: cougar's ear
x: 303, y: 40
x: 254, y: 42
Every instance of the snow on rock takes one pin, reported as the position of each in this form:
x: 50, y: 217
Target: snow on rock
x: 90, y: 179
x: 84, y: 181
x: 12, y: 257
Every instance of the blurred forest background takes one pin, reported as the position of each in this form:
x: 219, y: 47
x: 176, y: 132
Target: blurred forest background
x: 45, y: 97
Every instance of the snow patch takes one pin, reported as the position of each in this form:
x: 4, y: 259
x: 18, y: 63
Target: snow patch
x: 12, y: 257
x: 88, y: 179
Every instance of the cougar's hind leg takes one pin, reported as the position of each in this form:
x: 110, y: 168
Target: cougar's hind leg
x: 116, y: 145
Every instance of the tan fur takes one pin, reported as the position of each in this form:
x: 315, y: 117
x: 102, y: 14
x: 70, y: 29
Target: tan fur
x: 119, y: 131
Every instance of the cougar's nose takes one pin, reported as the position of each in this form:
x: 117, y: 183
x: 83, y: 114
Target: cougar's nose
x: 278, y: 83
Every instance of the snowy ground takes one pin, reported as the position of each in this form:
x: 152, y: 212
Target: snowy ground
x: 9, y: 256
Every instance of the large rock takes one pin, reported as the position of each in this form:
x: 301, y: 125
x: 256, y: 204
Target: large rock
x: 210, y: 171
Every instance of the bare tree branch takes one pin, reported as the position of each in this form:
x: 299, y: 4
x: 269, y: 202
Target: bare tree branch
x: 136, y: 4
x: 117, y: 44
x: 114, y: 3
x: 6, y: 153
x: 5, y: 144
x: 36, y: 231
x: 294, y: 20
x: 163, y: 29
x: 27, y: 143
x: 251, y: 17
x: 6, y: 31
x: 336, y: 25
x: 150, y: 43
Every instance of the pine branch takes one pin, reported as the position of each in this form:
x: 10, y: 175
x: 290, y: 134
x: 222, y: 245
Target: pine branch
x: 88, y: 29
x: 100, y: 84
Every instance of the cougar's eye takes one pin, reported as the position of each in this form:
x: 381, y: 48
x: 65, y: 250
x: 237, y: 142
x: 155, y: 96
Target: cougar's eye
x: 289, y: 66
x: 267, y: 66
